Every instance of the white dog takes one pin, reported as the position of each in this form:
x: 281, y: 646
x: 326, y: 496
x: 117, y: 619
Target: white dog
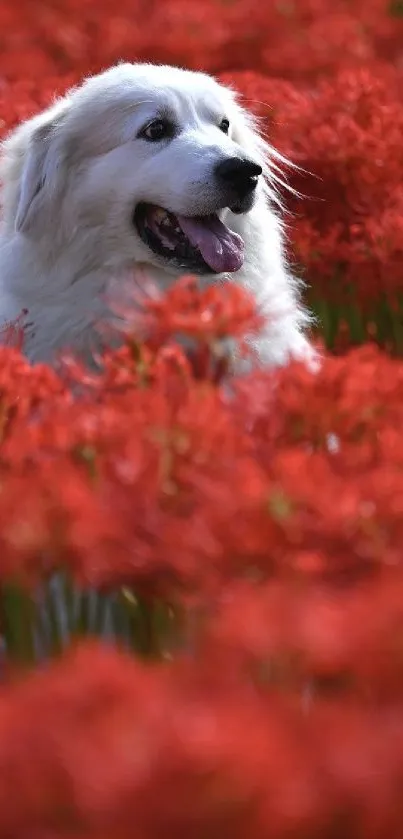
x: 145, y: 167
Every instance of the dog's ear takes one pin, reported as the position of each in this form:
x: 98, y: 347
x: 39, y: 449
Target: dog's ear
x: 40, y: 176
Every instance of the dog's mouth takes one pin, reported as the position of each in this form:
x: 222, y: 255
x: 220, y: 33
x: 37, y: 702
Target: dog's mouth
x: 200, y: 244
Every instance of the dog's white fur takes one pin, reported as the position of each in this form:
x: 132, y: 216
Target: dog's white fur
x: 71, y: 178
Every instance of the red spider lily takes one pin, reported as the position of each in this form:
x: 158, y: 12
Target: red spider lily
x: 204, y: 318
x: 347, y: 133
x: 110, y: 738
x: 249, y: 531
x: 206, y: 314
x: 301, y: 635
x: 172, y: 483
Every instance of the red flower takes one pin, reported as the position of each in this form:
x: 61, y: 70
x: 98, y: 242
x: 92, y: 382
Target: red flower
x: 256, y: 524
x: 94, y: 742
x: 346, y: 131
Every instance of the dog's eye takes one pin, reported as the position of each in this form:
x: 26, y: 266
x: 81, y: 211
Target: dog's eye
x: 224, y: 126
x: 158, y: 129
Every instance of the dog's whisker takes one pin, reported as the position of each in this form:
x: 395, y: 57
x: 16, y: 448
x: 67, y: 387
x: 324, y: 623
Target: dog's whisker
x: 286, y: 186
x: 249, y: 101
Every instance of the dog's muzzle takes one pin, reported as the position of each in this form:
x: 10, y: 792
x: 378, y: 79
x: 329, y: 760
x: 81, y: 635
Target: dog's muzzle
x: 202, y: 244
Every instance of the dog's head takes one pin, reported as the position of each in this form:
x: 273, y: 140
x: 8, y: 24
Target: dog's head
x: 145, y: 164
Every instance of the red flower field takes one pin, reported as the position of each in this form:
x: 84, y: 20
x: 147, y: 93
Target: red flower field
x: 201, y: 577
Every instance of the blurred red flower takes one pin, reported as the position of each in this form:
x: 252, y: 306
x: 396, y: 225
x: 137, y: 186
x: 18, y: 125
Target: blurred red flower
x: 246, y: 532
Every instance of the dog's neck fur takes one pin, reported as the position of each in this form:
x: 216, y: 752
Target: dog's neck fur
x: 61, y: 309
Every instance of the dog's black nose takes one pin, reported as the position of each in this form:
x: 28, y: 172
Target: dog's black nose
x: 238, y: 174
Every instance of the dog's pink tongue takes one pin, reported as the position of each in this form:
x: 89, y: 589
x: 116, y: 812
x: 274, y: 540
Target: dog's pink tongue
x: 220, y: 248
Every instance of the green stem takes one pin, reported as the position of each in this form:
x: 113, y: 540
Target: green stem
x: 18, y: 622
